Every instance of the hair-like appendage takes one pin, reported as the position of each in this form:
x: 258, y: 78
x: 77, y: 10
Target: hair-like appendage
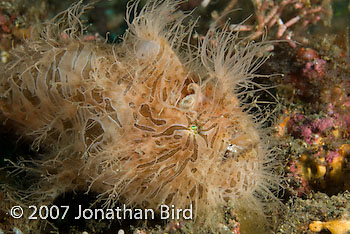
x: 145, y: 122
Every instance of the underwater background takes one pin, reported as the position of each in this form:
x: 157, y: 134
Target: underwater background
x: 308, y: 97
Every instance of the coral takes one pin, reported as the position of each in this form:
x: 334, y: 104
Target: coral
x: 323, y: 163
x: 301, y: 214
x: 281, y: 17
x: 335, y: 226
x: 145, y: 122
x: 15, y: 23
x: 310, y: 130
x: 314, y: 125
x: 317, y: 133
x: 315, y: 69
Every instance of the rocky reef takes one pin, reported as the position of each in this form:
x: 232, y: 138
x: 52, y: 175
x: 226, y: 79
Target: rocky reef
x: 236, y: 122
